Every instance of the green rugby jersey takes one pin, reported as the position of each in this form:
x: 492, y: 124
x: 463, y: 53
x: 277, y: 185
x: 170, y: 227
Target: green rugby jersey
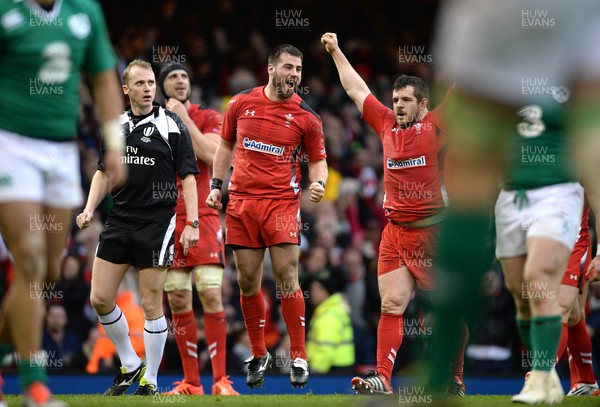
x: 41, y: 57
x: 539, y: 154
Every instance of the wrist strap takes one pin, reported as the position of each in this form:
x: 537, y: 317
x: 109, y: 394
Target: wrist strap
x: 216, y: 183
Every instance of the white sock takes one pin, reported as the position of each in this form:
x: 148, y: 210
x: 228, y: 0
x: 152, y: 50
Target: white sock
x: 155, y: 337
x: 117, y: 329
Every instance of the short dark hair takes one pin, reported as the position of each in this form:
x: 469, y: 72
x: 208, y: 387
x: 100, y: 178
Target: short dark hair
x: 283, y: 49
x: 421, y: 89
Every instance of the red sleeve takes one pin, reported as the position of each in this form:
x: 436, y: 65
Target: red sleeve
x: 314, y: 140
x: 228, y: 132
x: 375, y: 114
x: 212, y: 122
x: 438, y: 121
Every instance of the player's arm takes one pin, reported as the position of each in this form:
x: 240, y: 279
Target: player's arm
x: 98, y: 190
x: 221, y: 165
x: 353, y: 84
x: 189, y: 236
x: 317, y: 173
x: 108, y: 100
x: 205, y: 144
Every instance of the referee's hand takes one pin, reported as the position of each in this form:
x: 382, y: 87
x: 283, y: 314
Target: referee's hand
x: 189, y: 238
x: 84, y: 218
x: 214, y: 199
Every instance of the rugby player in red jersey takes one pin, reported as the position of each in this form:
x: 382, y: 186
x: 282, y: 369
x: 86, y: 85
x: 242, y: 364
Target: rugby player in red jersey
x: 206, y: 260
x: 272, y: 129
x: 413, y: 204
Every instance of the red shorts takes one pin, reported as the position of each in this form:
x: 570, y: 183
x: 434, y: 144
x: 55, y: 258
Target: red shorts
x: 258, y: 223
x: 580, y: 260
x: 209, y: 250
x: 413, y: 248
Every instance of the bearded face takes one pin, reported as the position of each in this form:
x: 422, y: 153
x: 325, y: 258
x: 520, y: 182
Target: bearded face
x: 286, y: 75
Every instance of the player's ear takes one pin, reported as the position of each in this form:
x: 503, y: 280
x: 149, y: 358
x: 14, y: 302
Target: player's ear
x: 423, y: 103
x: 270, y: 69
x: 125, y: 89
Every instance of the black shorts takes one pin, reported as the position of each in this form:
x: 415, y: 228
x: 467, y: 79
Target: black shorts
x: 140, y: 237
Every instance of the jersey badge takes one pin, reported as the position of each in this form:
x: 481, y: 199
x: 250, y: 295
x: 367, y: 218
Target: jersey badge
x: 288, y: 119
x: 80, y: 26
x: 147, y: 133
x: 12, y: 19
x: 250, y: 112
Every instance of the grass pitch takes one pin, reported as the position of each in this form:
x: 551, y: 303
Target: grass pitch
x: 96, y: 400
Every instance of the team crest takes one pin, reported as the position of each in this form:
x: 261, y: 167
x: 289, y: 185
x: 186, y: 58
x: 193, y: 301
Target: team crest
x: 12, y: 19
x: 288, y: 119
x: 80, y: 26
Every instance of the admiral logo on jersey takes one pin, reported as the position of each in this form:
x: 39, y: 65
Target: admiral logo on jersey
x: 411, y: 162
x: 262, y: 147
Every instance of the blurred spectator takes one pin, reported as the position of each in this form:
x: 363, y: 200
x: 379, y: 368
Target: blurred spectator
x: 330, y: 338
x: 75, y: 295
x: 492, y: 340
x: 59, y: 343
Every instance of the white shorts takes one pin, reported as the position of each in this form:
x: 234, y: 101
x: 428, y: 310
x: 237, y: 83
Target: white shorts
x: 511, y: 50
x: 36, y: 170
x: 553, y: 211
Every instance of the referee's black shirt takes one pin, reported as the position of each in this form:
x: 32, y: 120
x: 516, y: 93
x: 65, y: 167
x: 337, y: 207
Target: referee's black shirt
x: 158, y: 147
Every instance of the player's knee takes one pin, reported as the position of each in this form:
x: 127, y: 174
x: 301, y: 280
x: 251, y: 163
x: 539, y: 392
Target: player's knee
x: 179, y: 300
x: 151, y: 305
x: 30, y: 254
x: 249, y: 285
x: 393, y: 305
x: 211, y: 299
x: 102, y: 302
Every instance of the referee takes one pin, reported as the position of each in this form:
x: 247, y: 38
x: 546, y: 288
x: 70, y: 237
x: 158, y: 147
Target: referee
x: 140, y: 227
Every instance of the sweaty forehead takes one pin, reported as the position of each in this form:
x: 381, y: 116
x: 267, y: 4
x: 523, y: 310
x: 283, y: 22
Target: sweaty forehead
x: 140, y: 73
x: 407, y: 91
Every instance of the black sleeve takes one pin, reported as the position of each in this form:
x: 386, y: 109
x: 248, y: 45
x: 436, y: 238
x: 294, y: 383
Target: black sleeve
x: 183, y: 151
x: 101, y: 166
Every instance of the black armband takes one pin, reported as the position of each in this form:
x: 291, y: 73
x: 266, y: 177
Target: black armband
x: 216, y: 184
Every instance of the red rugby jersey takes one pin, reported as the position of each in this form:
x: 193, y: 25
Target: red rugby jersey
x: 207, y: 120
x: 410, y: 162
x: 271, y: 139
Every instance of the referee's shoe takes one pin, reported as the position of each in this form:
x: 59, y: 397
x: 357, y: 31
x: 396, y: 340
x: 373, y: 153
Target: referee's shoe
x: 124, y: 380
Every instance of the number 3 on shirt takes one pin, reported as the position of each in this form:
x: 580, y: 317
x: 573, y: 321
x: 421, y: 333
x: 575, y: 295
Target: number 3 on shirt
x: 532, y: 125
x: 57, y: 63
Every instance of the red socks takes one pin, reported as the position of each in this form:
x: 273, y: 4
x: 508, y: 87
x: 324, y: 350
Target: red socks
x: 253, y: 308
x: 458, y: 367
x: 562, y: 345
x: 215, y: 328
x: 293, y: 310
x: 390, y: 332
x: 186, y: 336
x: 580, y: 348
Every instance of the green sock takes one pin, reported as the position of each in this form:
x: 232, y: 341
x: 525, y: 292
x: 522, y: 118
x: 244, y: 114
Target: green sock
x: 524, y: 328
x: 32, y: 370
x: 545, y: 336
x: 465, y: 253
